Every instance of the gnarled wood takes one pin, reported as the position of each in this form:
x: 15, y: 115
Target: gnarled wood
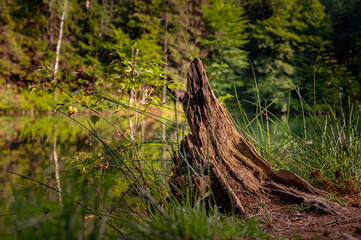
x: 216, y: 155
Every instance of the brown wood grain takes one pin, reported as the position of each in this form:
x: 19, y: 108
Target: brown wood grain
x: 216, y: 158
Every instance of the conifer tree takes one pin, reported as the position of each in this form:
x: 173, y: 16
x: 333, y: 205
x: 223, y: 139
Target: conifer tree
x: 282, y: 33
x: 224, y: 44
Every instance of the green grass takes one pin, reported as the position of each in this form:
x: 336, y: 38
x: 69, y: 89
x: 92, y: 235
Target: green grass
x: 312, y: 142
x: 186, y: 222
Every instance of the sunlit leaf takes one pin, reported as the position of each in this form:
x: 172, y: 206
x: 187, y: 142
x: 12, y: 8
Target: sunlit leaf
x: 99, y: 81
x: 116, y: 68
x: 222, y: 98
x: 87, y: 73
x: 173, y: 86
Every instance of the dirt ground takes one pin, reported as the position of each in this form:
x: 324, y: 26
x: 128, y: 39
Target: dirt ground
x: 292, y: 222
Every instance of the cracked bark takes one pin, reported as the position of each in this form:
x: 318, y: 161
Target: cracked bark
x: 216, y: 158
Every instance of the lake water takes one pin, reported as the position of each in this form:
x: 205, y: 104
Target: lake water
x: 42, y: 148
x: 27, y: 142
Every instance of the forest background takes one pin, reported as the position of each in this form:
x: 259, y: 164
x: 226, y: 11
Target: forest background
x: 310, y: 46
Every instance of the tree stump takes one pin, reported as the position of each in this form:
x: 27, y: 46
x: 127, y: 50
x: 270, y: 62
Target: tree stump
x: 216, y: 158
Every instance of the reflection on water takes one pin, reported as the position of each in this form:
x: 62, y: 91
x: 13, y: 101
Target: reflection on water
x: 28, y: 145
x: 36, y: 146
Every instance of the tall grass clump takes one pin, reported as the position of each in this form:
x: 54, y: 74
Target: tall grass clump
x: 196, y: 222
x: 322, y: 147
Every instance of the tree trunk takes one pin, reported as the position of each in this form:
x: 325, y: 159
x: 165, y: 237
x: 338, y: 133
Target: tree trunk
x: 56, y: 162
x: 165, y: 50
x: 58, y: 45
x: 215, y: 157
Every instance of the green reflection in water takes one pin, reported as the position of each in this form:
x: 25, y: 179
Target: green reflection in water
x: 26, y: 146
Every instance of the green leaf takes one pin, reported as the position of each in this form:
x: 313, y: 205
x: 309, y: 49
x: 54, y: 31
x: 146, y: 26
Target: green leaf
x: 99, y: 81
x: 222, y: 98
x: 116, y: 68
x: 173, y: 86
x: 88, y: 73
x: 94, y: 119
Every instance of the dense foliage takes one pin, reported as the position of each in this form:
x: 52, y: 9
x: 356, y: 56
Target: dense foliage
x: 312, y: 45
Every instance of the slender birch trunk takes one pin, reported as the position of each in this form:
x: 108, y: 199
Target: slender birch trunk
x: 58, y: 45
x: 131, y: 97
x: 165, y: 50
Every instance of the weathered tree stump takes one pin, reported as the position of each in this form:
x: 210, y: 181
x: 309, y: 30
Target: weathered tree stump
x: 216, y: 158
